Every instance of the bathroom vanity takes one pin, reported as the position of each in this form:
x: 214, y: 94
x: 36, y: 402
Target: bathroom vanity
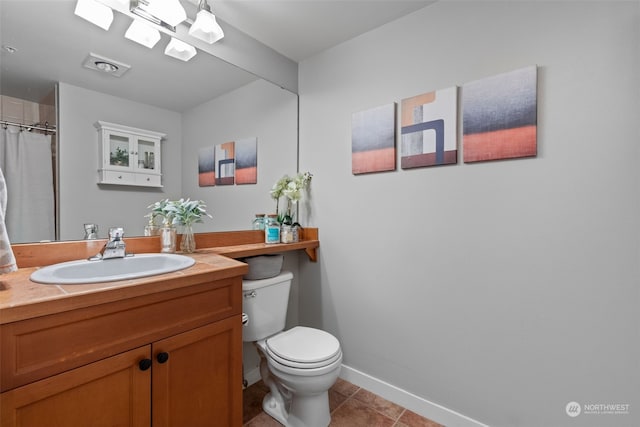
x: 164, y: 350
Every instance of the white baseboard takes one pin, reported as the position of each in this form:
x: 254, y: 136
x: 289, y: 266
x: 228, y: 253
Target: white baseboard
x: 414, y: 403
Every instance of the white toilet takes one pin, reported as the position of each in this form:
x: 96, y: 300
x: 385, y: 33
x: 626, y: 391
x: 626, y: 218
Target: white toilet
x: 298, y: 365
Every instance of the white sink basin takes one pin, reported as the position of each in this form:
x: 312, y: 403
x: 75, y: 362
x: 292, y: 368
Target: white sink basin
x: 108, y: 270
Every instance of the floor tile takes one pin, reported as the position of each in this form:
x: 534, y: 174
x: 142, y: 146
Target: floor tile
x: 381, y: 405
x: 335, y: 400
x: 354, y: 413
x: 411, y: 419
x: 345, y: 388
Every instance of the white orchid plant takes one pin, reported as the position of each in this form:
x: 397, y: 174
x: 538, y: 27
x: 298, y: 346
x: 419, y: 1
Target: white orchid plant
x: 292, y: 188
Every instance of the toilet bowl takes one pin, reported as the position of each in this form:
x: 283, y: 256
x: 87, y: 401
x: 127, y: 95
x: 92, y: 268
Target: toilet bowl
x: 298, y: 365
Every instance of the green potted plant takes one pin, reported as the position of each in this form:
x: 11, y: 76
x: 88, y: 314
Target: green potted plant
x: 179, y: 212
x: 120, y: 157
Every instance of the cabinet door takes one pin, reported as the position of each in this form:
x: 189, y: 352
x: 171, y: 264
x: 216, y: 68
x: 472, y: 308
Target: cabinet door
x: 110, y: 392
x: 148, y: 154
x: 118, y: 148
x: 197, y: 377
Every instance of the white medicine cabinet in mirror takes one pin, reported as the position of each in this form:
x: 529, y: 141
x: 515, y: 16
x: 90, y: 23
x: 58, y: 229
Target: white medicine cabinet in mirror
x: 129, y: 156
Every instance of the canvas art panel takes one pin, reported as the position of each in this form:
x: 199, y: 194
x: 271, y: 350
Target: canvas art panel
x: 429, y: 129
x: 246, y: 161
x: 500, y: 116
x: 225, y: 163
x: 373, y: 140
x: 206, y: 167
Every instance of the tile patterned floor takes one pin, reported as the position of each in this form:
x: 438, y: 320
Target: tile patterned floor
x: 350, y: 405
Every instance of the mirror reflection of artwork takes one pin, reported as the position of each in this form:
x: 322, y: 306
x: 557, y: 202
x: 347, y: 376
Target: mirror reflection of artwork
x: 428, y: 127
x: 246, y: 161
x: 206, y: 167
x: 225, y: 163
x: 500, y: 116
x: 373, y: 140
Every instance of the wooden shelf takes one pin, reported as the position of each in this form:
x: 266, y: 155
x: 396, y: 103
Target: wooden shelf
x: 240, y: 244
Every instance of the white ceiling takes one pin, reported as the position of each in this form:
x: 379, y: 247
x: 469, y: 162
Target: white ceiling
x: 52, y: 43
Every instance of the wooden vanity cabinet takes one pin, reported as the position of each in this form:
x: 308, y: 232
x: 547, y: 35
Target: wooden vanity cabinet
x: 178, y: 364
x: 110, y: 392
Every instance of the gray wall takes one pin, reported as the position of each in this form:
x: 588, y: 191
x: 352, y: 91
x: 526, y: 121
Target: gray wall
x: 501, y: 290
x: 81, y: 199
x: 259, y: 109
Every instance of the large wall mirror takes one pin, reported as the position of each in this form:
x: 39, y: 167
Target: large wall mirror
x: 198, y: 104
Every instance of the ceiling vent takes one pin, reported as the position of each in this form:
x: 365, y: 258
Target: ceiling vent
x: 105, y: 65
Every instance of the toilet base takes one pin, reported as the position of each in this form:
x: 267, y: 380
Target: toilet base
x: 315, y: 409
x: 306, y: 409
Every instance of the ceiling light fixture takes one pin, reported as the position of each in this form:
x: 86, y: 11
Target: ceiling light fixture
x: 142, y: 33
x: 180, y: 50
x: 206, y: 27
x: 95, y: 12
x: 164, y: 16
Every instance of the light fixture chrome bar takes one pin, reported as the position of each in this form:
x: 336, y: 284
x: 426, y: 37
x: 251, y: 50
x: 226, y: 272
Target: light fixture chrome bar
x: 138, y: 7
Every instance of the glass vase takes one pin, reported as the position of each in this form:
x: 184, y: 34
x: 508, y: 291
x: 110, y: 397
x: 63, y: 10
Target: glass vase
x: 151, y: 230
x: 168, y: 240
x: 188, y: 242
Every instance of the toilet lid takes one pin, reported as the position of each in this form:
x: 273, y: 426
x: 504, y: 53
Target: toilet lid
x: 304, y: 345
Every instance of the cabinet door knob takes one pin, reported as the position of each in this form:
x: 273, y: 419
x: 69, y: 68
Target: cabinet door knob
x: 162, y: 357
x: 144, y: 364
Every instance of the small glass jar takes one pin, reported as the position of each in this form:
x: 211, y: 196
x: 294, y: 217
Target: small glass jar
x: 168, y: 239
x: 272, y: 229
x: 286, y: 234
x: 258, y: 222
x: 296, y: 232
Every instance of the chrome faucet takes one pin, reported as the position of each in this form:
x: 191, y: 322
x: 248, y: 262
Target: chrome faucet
x: 115, y: 246
x: 90, y: 231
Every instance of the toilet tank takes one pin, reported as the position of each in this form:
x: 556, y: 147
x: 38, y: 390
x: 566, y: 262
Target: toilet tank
x: 265, y: 302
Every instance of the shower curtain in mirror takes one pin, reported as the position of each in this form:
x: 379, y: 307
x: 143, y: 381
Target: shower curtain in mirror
x: 25, y: 159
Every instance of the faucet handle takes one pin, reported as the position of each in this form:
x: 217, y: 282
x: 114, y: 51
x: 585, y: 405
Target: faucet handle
x: 116, y: 233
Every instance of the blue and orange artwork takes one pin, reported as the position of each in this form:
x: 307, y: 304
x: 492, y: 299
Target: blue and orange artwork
x: 500, y: 116
x: 373, y: 140
x: 428, y: 127
x: 225, y: 163
x: 247, y: 161
x: 206, y: 167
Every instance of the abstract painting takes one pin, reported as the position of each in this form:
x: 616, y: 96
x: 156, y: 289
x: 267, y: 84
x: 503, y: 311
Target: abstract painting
x: 206, y: 167
x: 373, y: 140
x: 225, y: 163
x: 500, y: 116
x: 428, y: 127
x: 247, y: 161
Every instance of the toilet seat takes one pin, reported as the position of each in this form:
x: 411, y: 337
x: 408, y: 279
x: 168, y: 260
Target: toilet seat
x: 303, y: 348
